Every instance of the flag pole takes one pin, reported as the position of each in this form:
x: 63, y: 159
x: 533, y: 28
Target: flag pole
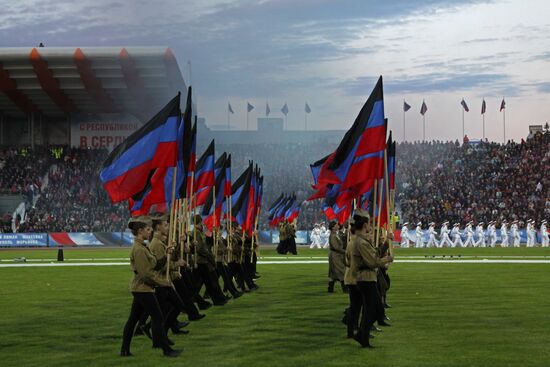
x: 192, y: 203
x: 387, y: 183
x: 183, y: 218
x: 348, y: 235
x: 424, y: 127
x: 306, y: 121
x: 373, y: 207
x: 228, y: 128
x: 403, y: 119
x: 463, y: 122
x: 379, y: 215
x: 230, y: 230
x: 504, y: 121
x: 242, y: 246
x: 172, y: 224
x: 483, y: 126
x: 247, y: 117
x: 255, y: 234
x: 214, y: 226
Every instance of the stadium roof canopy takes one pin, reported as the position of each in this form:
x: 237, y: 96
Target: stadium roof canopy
x: 57, y: 81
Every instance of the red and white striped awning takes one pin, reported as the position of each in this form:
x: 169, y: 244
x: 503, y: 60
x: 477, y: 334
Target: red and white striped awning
x: 56, y: 81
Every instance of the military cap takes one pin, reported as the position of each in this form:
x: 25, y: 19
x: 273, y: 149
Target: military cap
x: 160, y: 217
x: 141, y: 219
x: 362, y: 213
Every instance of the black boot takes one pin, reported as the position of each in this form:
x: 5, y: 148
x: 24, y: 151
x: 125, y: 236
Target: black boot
x: 169, y: 352
x: 331, y: 287
x: 125, y: 353
x: 345, y: 288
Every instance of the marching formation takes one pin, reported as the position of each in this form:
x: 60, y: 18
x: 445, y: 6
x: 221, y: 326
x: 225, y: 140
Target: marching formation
x: 357, y: 185
x: 480, y: 237
x: 175, y: 255
x: 169, y: 274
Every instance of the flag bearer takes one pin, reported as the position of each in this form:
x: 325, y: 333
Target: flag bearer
x: 142, y: 286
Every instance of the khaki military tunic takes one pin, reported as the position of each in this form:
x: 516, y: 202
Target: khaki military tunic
x: 365, y: 259
x: 204, y: 254
x: 350, y: 277
x: 236, y: 247
x: 143, y: 263
x: 158, y: 247
x: 336, y: 258
x: 283, y: 232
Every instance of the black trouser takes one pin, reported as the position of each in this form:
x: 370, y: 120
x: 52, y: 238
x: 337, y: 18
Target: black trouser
x: 292, y: 246
x: 170, y: 304
x: 145, y: 302
x: 248, y: 267
x: 189, y: 277
x: 241, y: 276
x: 355, y: 304
x: 368, y: 316
x: 210, y: 280
x: 380, y: 311
x: 282, y: 248
x: 186, y: 296
x: 227, y: 278
x: 254, y: 262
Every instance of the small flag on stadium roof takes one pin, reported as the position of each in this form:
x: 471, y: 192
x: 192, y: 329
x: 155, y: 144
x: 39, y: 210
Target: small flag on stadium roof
x: 464, y: 105
x: 502, y: 105
x: 229, y: 108
x: 267, y: 109
x: 423, y: 109
x: 308, y: 110
x: 285, y: 109
x: 483, y: 107
x: 249, y: 107
x: 406, y: 106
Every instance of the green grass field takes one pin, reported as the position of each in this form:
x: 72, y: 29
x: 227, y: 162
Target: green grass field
x: 480, y: 314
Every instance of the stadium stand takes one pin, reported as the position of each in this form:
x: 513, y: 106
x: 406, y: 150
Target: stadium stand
x: 436, y: 181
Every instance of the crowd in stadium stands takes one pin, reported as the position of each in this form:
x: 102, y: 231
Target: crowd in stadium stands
x: 436, y: 181
x: 73, y: 200
x: 440, y: 181
x: 22, y: 170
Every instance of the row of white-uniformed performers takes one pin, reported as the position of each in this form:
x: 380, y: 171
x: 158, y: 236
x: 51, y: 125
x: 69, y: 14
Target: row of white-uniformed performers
x: 319, y: 236
x: 480, y: 237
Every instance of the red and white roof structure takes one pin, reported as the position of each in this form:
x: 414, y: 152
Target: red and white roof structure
x: 57, y: 81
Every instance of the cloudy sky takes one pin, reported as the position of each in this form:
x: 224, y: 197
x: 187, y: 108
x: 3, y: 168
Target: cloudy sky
x: 328, y: 53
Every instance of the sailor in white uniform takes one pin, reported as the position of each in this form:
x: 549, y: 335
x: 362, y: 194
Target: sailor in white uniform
x: 405, y: 235
x: 514, y: 232
x: 492, y: 233
x: 315, y: 237
x: 431, y: 232
x: 531, y: 233
x: 544, y: 234
x: 419, y: 233
x: 444, y: 236
x: 469, y: 236
x: 325, y: 234
x: 455, y: 233
x: 504, y: 234
x: 480, y: 233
